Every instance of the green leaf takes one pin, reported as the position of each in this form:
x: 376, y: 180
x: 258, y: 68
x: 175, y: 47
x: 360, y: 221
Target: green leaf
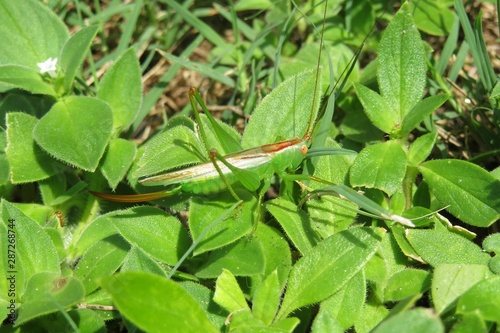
x: 28, y: 162
x: 181, y: 142
x: 402, y: 64
x: 471, y: 192
x: 325, y: 322
x: 482, y: 298
x: 220, y: 136
x: 377, y: 109
x: 492, y: 243
x: 421, y: 110
x: 356, y: 125
x: 121, y: 88
x: 372, y: 314
x: 335, y: 168
x: 433, y: 17
x: 452, y: 280
x: 49, y: 292
x: 293, y: 98
x: 156, y: 304
x: 74, y: 51
x: 204, y: 297
x: 421, y: 148
x: 102, y: 259
x: 380, y: 166
x: 243, y: 258
x: 76, y: 130
x: 85, y: 320
x: 346, y: 304
x: 34, y: 249
x: 295, y: 223
x: 4, y: 168
x: 117, y: 160
x: 267, y: 298
x: 245, y: 321
x: 228, y: 293
x: 161, y: 236
x: 342, y: 256
x: 413, y: 321
x: 277, y: 254
x: 204, y: 210
x: 138, y: 260
x: 24, y: 78
x: 444, y: 247
x: 32, y: 32
x: 470, y: 322
x: 407, y: 283
x: 100, y: 228
x: 286, y: 325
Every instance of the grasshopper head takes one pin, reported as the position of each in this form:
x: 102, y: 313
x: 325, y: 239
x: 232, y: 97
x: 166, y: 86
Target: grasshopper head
x: 300, y: 151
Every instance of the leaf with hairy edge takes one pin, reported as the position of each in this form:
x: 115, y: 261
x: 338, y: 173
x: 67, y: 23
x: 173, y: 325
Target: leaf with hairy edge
x: 328, y: 267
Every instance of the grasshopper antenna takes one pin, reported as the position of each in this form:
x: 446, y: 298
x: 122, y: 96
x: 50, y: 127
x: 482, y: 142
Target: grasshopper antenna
x: 316, y: 82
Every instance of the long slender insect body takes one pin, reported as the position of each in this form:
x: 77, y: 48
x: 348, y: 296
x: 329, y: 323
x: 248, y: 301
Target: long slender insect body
x: 264, y: 161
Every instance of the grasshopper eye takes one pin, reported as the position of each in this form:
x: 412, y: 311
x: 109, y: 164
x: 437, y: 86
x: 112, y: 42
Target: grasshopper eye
x: 303, y: 150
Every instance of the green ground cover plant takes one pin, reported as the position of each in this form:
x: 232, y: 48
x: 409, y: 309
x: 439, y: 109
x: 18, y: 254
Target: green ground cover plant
x: 389, y: 223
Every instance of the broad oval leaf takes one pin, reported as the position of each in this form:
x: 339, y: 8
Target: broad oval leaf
x: 380, y: 166
x: 76, y: 130
x: 242, y: 258
x: 328, y: 267
x: 284, y: 113
x: 473, y: 195
x: 28, y: 162
x: 407, y: 283
x: 204, y: 211
x: 443, y: 247
x: 160, y: 235
x: 156, y: 304
x: 452, y: 280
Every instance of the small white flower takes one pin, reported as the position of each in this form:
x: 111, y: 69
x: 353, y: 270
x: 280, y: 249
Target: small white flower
x: 48, y: 66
